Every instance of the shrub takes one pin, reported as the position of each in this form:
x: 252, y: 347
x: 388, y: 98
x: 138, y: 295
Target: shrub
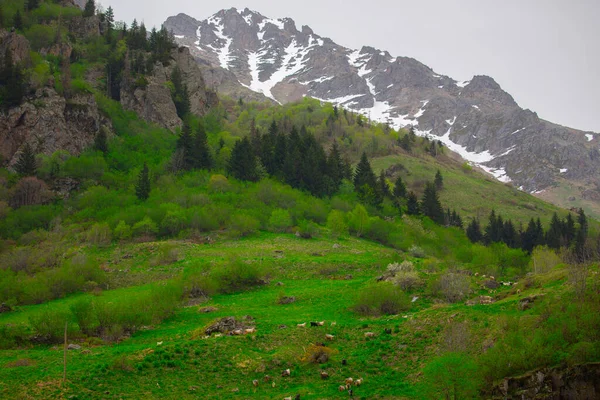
x: 173, y: 222
x: 307, y: 229
x: 12, y: 336
x: 167, y: 254
x: 218, y: 184
x: 416, y: 251
x: 197, y: 283
x: 243, y: 225
x: 381, y: 299
x: 280, y: 220
x: 358, y: 220
x: 453, y: 287
x: 86, y: 318
x: 30, y: 191
x: 238, y: 275
x: 99, y: 235
x: 405, y: 266
x: 336, y: 222
x: 543, y: 260
x: 452, y: 376
x: 122, y: 231
x: 49, y: 326
x: 145, y: 227
x: 407, y: 280
x: 316, y: 354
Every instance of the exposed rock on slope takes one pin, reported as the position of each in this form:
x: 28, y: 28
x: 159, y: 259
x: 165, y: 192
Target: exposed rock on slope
x: 153, y: 101
x: 476, y: 119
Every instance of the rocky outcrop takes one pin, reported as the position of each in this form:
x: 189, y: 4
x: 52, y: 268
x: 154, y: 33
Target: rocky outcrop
x: 152, y: 100
x: 49, y: 123
x: 85, y: 27
x: 18, y: 46
x: 476, y: 119
x: 580, y: 382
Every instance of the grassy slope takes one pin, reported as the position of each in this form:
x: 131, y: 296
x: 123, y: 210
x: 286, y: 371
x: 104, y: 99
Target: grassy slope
x: 190, y: 366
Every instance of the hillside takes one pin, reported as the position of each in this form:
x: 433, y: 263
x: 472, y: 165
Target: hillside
x: 476, y: 119
x: 140, y: 211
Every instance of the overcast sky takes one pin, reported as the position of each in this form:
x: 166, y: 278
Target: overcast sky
x: 546, y: 53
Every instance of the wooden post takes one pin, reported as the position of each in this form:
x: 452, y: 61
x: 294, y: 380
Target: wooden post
x: 65, y: 356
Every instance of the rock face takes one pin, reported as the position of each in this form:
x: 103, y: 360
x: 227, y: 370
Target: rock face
x: 153, y: 101
x: 476, y: 119
x: 49, y: 123
x: 18, y: 46
x: 581, y: 382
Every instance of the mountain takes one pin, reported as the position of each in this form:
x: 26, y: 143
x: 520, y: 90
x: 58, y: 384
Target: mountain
x: 477, y: 118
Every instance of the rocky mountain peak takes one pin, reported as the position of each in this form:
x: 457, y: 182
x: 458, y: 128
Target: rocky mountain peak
x: 476, y: 119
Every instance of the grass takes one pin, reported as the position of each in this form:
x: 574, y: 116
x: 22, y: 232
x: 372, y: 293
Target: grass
x: 187, y: 365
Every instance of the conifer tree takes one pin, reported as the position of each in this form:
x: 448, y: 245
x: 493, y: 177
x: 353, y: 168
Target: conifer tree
x: 109, y: 17
x: 12, y: 82
x: 32, y: 4
x: 430, y: 204
x: 365, y: 182
x: 529, y: 236
x: 142, y: 188
x: 180, y: 94
x: 412, y: 204
x: 335, y: 167
x: 582, y: 220
x: 280, y: 153
x: 554, y: 234
x: 399, y: 188
x: 439, y: 180
x: 100, y: 141
x: 384, y: 189
x: 90, y: 8
x: 493, y: 231
x: 474, y: 231
x: 242, y: 164
x: 26, y: 165
x: 185, y: 146
x: 509, y: 234
x: 201, y: 151
x: 18, y: 20
x: 569, y: 229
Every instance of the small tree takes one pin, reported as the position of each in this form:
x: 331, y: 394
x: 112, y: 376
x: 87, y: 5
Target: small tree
x: 26, y: 165
x: 90, y: 8
x: 474, y: 231
x: 439, y: 180
x: 412, y: 204
x: 100, y: 143
x: 336, y: 222
x: 18, y: 20
x: 142, y: 188
x: 399, y: 188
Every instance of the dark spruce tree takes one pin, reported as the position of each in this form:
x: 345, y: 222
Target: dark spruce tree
x: 100, y: 141
x: 554, y: 233
x: 569, y: 229
x: 412, y: 204
x: 242, y: 164
x: 90, y: 8
x: 179, y: 93
x: 26, y: 165
x: 439, y: 180
x: 529, y: 237
x: 430, y: 204
x: 384, y: 188
x: 185, y: 148
x: 12, y: 82
x: 32, y: 4
x: 365, y: 183
x: 335, y: 167
x: 493, y: 230
x: 474, y: 231
x: 142, y: 188
x: 201, y: 155
x: 399, y: 189
x: 18, y: 20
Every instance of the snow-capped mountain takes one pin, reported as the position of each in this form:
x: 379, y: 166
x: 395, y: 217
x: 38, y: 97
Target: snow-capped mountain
x: 476, y: 119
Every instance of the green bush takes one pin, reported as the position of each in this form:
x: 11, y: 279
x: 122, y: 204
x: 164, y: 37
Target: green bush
x: 99, y: 235
x: 336, y: 222
x: 49, y: 325
x: 280, y: 220
x: 122, y: 231
x: 84, y: 313
x: 145, y: 227
x: 381, y: 299
x: 243, y: 225
x: 197, y: 282
x: 238, y: 275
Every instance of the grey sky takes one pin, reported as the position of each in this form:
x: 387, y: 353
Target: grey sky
x: 546, y: 53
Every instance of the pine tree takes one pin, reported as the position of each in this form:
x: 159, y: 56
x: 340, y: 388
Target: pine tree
x: 582, y: 220
x: 109, y: 17
x: 335, y: 167
x: 142, y: 188
x: 509, y: 234
x: 26, y: 165
x: 242, y: 164
x: 474, y: 231
x: 569, y: 229
x: 32, y: 4
x: 430, y: 204
x: 384, y: 188
x: 493, y: 231
x: 185, y: 145
x: 439, y: 180
x: 365, y: 182
x: 18, y: 20
x: 201, y: 151
x: 412, y: 204
x: 554, y: 234
x: 12, y: 82
x: 399, y: 189
x: 180, y: 93
x: 90, y: 8
x: 100, y: 141
x: 529, y: 236
x: 405, y: 142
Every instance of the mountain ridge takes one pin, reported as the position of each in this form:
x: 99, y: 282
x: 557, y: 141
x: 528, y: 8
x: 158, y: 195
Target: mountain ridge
x: 475, y: 118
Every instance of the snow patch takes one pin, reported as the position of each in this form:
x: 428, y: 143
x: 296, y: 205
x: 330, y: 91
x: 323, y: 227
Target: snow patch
x: 389, y: 86
x: 477, y: 158
x: 563, y: 170
x: 589, y: 137
x: 179, y: 36
x: 340, y: 100
x: 248, y: 19
x: 508, y: 151
x: 421, y: 110
x: 451, y: 121
x: 518, y: 130
x: 474, y: 106
x: 441, y: 87
x: 462, y: 84
x: 498, y: 173
x: 222, y: 53
x: 436, y: 76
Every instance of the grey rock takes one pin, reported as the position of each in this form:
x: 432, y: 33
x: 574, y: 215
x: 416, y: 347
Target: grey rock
x: 72, y: 346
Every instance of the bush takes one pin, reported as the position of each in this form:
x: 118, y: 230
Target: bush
x: 197, y: 283
x: 307, y: 229
x: 122, y: 231
x: 316, y: 354
x: 238, y: 275
x: 86, y: 318
x: 218, y: 184
x: 280, y: 220
x: 336, y: 222
x: 453, y: 287
x: 416, y: 251
x: 12, y: 336
x: 452, y: 376
x: 381, y: 299
x: 358, y: 220
x: 49, y: 326
x: 405, y: 266
x: 30, y: 191
x: 145, y: 227
x: 408, y: 280
x: 243, y: 225
x: 99, y: 235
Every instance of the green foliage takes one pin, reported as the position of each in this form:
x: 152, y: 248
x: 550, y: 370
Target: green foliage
x: 452, y: 376
x: 12, y: 82
x: 358, y: 220
x: 336, y: 222
x: 238, y: 275
x: 243, y: 225
x: 280, y: 220
x: 382, y: 298
x: 145, y: 227
x: 26, y: 164
x: 99, y: 235
x: 142, y: 188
